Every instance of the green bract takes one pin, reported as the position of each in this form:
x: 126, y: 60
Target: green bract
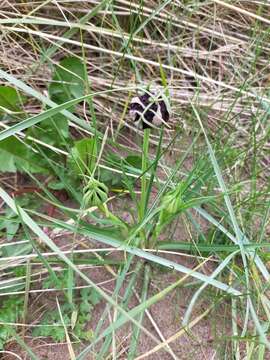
x: 172, y: 201
x: 95, y: 193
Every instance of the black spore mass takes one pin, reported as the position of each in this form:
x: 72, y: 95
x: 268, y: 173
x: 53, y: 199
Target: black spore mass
x: 149, y: 111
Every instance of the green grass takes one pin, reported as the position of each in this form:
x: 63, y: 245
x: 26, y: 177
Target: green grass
x: 108, y: 232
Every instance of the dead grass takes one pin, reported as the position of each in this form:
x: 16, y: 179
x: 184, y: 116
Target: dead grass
x: 215, y: 55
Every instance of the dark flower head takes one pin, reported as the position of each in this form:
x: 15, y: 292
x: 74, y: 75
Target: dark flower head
x: 149, y: 111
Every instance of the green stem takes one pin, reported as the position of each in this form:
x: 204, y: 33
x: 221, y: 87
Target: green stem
x: 144, y: 181
x: 136, y: 329
x: 124, y: 304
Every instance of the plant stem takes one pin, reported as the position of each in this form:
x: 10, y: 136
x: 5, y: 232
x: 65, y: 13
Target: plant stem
x: 144, y: 181
x: 136, y: 330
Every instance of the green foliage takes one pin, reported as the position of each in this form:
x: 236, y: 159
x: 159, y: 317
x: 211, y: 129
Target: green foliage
x: 75, y: 320
x: 95, y: 193
x: 15, y: 274
x: 83, y: 156
x: 111, y: 179
x: 10, y: 222
x: 68, y: 80
x: 10, y: 226
x: 175, y: 201
x: 230, y: 103
x: 62, y: 277
x: 16, y: 155
x: 67, y: 84
x: 134, y: 161
x: 13, y: 250
x: 129, y: 164
x: 10, y: 100
x: 11, y: 310
x: 52, y: 326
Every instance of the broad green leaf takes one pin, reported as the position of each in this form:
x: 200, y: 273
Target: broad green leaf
x: 15, y: 154
x: 11, y: 229
x: 51, y: 130
x: 7, y: 162
x: 15, y: 250
x: 67, y: 84
x: 68, y: 80
x: 9, y: 99
x: 134, y: 160
x: 109, y: 178
x: 83, y: 156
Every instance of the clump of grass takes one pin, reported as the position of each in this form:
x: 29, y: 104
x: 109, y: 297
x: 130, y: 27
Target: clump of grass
x: 84, y: 191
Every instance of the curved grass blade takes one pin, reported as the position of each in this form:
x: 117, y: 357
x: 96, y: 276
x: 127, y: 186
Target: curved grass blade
x: 37, y: 230
x: 106, y: 238
x: 25, y: 124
